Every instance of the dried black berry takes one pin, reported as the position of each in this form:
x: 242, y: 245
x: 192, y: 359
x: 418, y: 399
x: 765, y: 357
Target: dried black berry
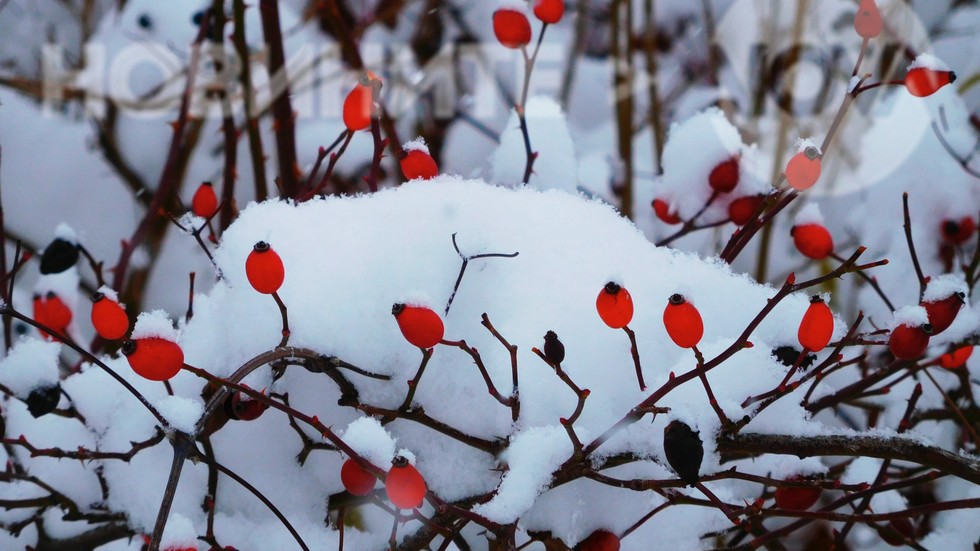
x: 684, y: 451
x: 787, y: 355
x: 43, y: 400
x: 554, y: 350
x: 59, y: 256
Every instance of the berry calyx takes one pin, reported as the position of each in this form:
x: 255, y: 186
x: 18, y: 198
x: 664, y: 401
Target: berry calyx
x: 600, y: 540
x: 417, y: 164
x: 867, y: 21
x: 511, y: 28
x: 154, y: 358
x: 684, y: 451
x: 797, y: 498
x: 404, y: 484
x: 205, y: 202
x: 359, y: 103
x: 923, y: 82
x: 683, y: 322
x: 554, y: 350
x: 662, y: 210
x: 943, y: 312
x: 813, y: 241
x: 957, y: 358
x: 817, y: 325
x: 615, y: 305
x: 357, y: 481
x: 958, y: 232
x: 549, y: 11
x: 419, y: 325
x: 724, y: 177
x: 108, y: 317
x: 803, y: 170
x: 742, y: 209
x: 264, y: 269
x: 246, y: 408
x: 59, y: 256
x: 908, y: 342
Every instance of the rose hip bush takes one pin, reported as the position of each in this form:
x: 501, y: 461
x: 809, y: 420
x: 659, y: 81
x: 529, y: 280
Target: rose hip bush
x: 649, y: 300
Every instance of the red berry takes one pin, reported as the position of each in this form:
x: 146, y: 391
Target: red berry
x: 683, y: 322
x: 154, y: 358
x: 922, y: 82
x: 418, y: 164
x: 742, y: 209
x: 419, y: 325
x: 404, y: 484
x: 264, y: 269
x: 957, y: 233
x: 724, y: 177
x: 549, y: 11
x: 51, y: 312
x: 615, y: 306
x: 359, y: 104
x: 357, y: 481
x: 957, y: 358
x: 600, y: 540
x: 867, y: 22
x: 205, y: 202
x: 108, y: 317
x: 943, y: 312
x: 908, y: 343
x: 797, y: 498
x: 246, y: 408
x: 897, y: 531
x: 662, y: 210
x: 174, y: 548
x: 512, y: 28
x: 817, y: 326
x: 803, y: 170
x: 813, y: 241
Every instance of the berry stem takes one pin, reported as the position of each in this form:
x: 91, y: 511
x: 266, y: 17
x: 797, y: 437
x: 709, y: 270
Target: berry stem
x: 726, y: 423
x: 908, y: 239
x: 285, y: 319
x: 519, y: 108
x: 634, y: 351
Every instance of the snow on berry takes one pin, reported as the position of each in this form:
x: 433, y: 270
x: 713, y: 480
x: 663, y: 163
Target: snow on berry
x: 370, y: 440
x: 32, y: 363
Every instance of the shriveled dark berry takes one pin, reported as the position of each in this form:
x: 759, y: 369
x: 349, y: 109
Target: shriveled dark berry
x: 60, y: 255
x: 43, y: 400
x: 554, y: 350
x: 684, y: 451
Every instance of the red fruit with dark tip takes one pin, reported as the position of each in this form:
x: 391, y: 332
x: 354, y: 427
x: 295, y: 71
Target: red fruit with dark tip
x: 154, y: 358
x: 264, y: 269
x: 417, y: 164
x: 615, y: 306
x: 683, y: 322
x: 359, y: 104
x: 957, y: 358
x: 908, y: 343
x: 600, y: 540
x: 797, y: 498
x: 803, y: 170
x: 404, y: 484
x: 922, y: 82
x: 549, y: 11
x: 245, y: 408
x: 52, y: 312
x: 419, y: 325
x: 958, y: 232
x: 943, y: 312
x: 817, y: 325
x: 742, y: 209
x: 724, y: 177
x: 813, y: 241
x: 867, y: 21
x: 108, y: 318
x: 357, y: 481
x: 662, y: 210
x: 512, y: 28
x: 205, y: 202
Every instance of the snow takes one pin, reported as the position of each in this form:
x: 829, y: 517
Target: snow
x: 911, y: 316
x: 809, y: 214
x: 32, y: 363
x: 418, y: 144
x: 944, y: 286
x: 555, y: 166
x: 155, y: 324
x: 516, y: 5
x: 182, y: 413
x: 928, y: 61
x: 803, y: 143
x: 369, y: 439
x: 110, y: 294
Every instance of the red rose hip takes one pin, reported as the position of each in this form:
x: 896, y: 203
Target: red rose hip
x: 418, y: 164
x: 512, y: 28
x: 908, y: 342
x: 419, y: 325
x: 549, y: 11
x: 867, y: 21
x: 615, y: 306
x: 357, y: 481
x: 662, y: 210
x: 813, y: 241
x: 600, y: 540
x: 817, y: 325
x: 205, y: 202
x: 803, y: 170
x: 154, y: 358
x: 724, y: 177
x: 264, y: 269
x: 683, y: 322
x: 404, y: 484
x: 740, y: 211
x: 108, y: 317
